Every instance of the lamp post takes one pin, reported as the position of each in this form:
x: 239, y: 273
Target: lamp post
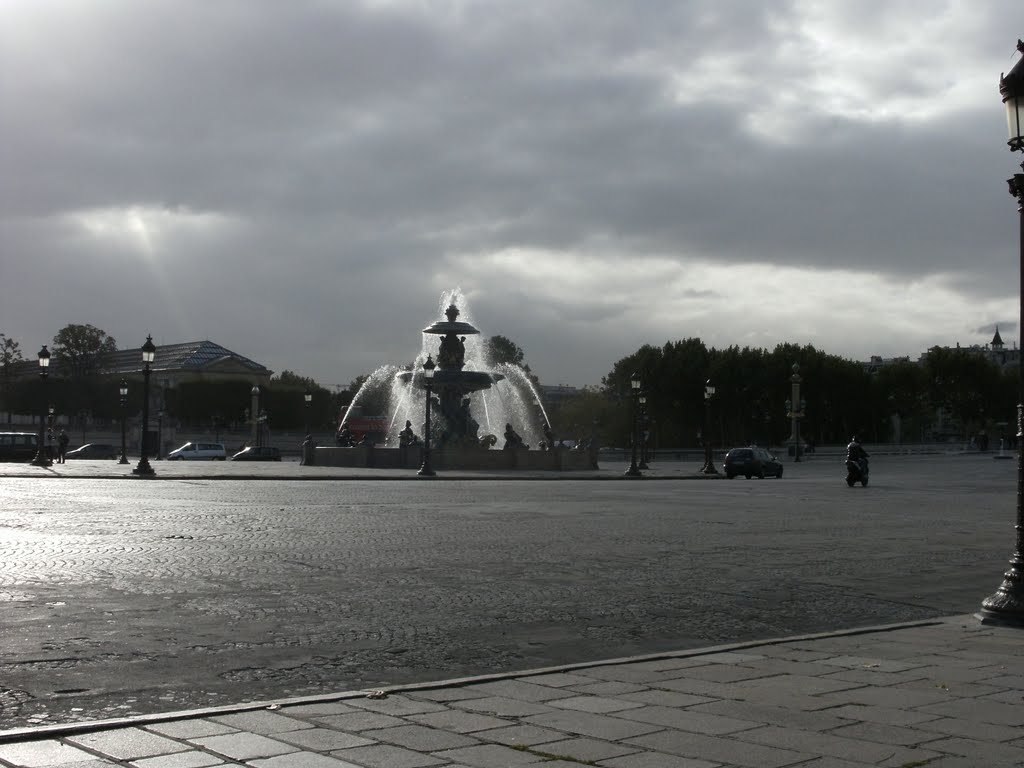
x: 642, y: 430
x: 1006, y: 605
x: 795, y: 410
x: 308, y: 397
x: 143, y: 469
x: 255, y: 413
x: 634, y: 388
x: 428, y: 377
x: 709, y: 466
x: 123, y: 391
x: 42, y: 458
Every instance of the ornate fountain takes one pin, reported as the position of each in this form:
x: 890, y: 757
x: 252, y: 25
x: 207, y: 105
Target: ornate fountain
x: 478, y: 409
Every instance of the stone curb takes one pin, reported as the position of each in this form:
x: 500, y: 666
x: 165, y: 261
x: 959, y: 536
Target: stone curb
x: 68, y: 729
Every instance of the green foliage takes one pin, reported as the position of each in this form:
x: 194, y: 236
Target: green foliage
x: 81, y: 349
x: 500, y: 350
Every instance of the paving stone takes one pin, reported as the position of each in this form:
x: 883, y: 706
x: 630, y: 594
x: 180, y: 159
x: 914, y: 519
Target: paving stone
x: 95, y: 762
x: 608, y: 688
x: 399, y: 706
x: 686, y: 662
x: 594, y: 704
x: 978, y: 710
x: 993, y: 754
x: 459, y: 721
x: 725, y: 673
x: 587, y: 724
x: 886, y: 734
x: 244, y: 746
x: 360, y: 721
x: 389, y: 756
x: 323, y: 739
x: 872, y: 678
x: 562, y: 679
x: 890, y: 696
x: 666, y: 698
x: 872, y: 663
x: 262, y: 722
x: 971, y: 729
x: 834, y: 746
x: 763, y: 713
x: 688, y: 720
x: 421, y: 738
x: 42, y: 754
x: 586, y: 749
x: 718, y: 750
x: 522, y: 735
x: 324, y: 708
x: 885, y: 715
x: 490, y: 756
x: 188, y: 729
x: 626, y: 673
x: 302, y: 760
x: 445, y: 694
x: 658, y: 760
x: 522, y: 690
x: 192, y: 759
x: 128, y: 743
x: 703, y: 688
x: 501, y: 706
x: 776, y: 666
x: 802, y: 685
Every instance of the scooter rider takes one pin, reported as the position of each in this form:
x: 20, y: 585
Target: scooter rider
x: 856, y: 451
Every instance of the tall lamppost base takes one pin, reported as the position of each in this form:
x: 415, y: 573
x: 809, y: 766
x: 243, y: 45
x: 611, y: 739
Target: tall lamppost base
x: 41, y: 460
x: 426, y: 471
x: 1006, y: 606
x: 633, y: 471
x: 144, y: 469
x: 709, y: 469
x: 123, y: 460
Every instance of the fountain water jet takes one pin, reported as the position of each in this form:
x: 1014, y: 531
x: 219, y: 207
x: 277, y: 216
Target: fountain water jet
x: 473, y: 403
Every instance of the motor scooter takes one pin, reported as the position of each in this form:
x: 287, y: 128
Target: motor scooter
x: 856, y: 471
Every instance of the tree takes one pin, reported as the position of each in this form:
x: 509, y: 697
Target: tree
x: 81, y: 349
x: 10, y: 353
x: 499, y: 350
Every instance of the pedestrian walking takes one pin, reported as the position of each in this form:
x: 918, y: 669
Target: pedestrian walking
x: 62, y: 446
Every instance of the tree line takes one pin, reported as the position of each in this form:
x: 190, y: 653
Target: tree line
x: 971, y: 393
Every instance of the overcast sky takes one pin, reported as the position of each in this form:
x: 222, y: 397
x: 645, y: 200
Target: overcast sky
x: 301, y: 181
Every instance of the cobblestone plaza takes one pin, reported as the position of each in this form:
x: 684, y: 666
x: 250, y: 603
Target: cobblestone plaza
x: 124, y: 596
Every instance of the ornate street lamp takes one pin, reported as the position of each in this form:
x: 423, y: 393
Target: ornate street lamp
x: 709, y: 465
x: 123, y: 391
x: 634, y: 388
x: 143, y: 469
x: 1006, y: 606
x: 308, y: 397
x: 428, y: 377
x: 795, y: 410
x: 642, y: 433
x: 42, y: 458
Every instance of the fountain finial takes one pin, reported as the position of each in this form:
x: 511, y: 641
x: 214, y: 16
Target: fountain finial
x: 451, y: 313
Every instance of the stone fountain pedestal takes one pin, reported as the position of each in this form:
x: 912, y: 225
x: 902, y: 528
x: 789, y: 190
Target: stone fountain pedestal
x: 454, y: 457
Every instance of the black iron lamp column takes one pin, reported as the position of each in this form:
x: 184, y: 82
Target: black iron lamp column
x: 308, y: 398
x: 42, y: 459
x: 1006, y: 606
x: 143, y: 469
x: 709, y: 464
x: 634, y: 388
x: 123, y: 390
x: 428, y: 377
x: 642, y: 430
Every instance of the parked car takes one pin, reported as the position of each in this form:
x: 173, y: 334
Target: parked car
x: 253, y: 453
x: 94, y: 451
x: 198, y: 451
x: 18, y: 446
x: 751, y: 462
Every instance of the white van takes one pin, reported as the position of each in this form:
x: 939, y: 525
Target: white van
x: 199, y: 451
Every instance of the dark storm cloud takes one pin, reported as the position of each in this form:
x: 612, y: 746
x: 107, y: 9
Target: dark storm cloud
x: 336, y: 165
